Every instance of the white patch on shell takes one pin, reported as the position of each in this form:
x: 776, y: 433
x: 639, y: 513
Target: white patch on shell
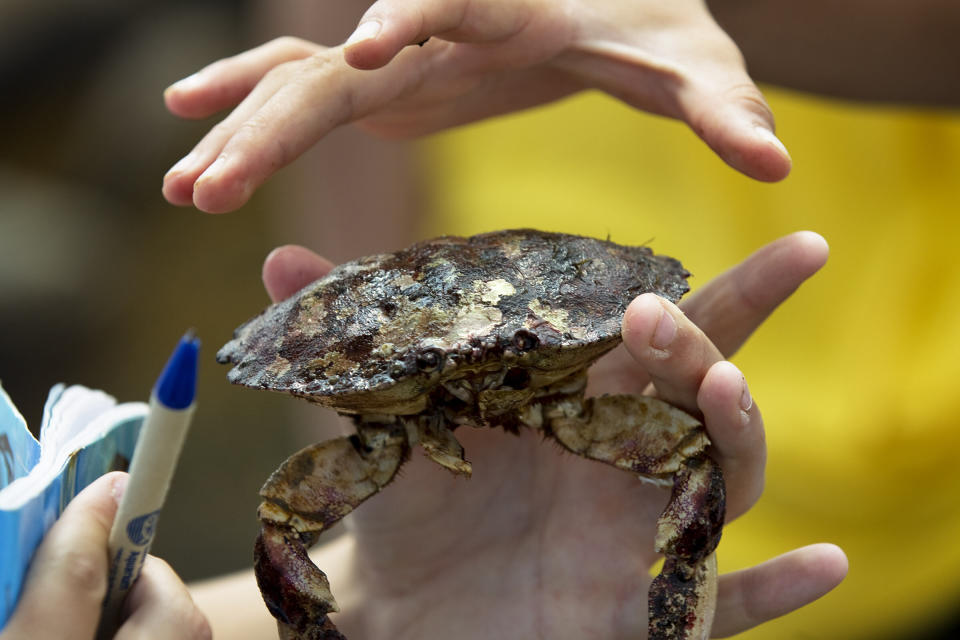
x: 403, y: 281
x: 385, y: 350
x: 476, y: 317
x: 491, y: 291
x: 512, y: 247
x: 278, y: 367
x: 555, y: 317
x: 364, y: 264
x: 310, y: 320
x: 473, y: 322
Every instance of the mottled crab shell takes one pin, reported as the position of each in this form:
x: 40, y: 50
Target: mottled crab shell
x: 379, y: 333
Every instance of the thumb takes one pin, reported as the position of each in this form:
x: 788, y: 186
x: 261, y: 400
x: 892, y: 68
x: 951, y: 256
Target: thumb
x: 720, y: 102
x: 390, y: 25
x: 290, y: 268
x: 64, y: 589
x: 734, y: 119
x: 673, y: 59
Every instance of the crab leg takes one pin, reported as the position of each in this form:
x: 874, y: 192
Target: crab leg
x: 651, y: 438
x: 688, y: 531
x: 312, y: 490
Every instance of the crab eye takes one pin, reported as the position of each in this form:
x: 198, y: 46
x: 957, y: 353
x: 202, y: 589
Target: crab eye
x: 524, y: 340
x: 429, y: 360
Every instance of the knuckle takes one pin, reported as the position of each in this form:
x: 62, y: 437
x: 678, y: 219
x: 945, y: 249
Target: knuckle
x: 291, y: 46
x: 159, y: 563
x: 747, y: 95
x: 197, y: 626
x: 84, y: 574
x: 322, y: 63
x: 253, y: 126
x: 285, y: 72
x: 221, y: 131
x: 257, y: 133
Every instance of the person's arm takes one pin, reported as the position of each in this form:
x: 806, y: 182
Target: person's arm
x: 883, y: 50
x: 235, y: 608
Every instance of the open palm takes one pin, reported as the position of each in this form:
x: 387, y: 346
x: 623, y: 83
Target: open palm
x: 539, y: 543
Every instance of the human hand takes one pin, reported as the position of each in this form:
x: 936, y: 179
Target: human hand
x: 64, y: 591
x: 483, y: 58
x: 542, y: 544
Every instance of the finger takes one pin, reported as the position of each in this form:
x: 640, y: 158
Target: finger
x: 720, y: 102
x: 180, y: 181
x: 732, y: 305
x: 295, y: 106
x: 736, y: 433
x: 159, y: 606
x: 669, y: 347
x: 689, y: 372
x: 734, y: 119
x: 67, y: 581
x: 729, y: 307
x: 783, y: 584
x: 681, y: 64
x: 290, y: 268
x: 390, y: 25
x: 226, y: 82
x: 724, y: 108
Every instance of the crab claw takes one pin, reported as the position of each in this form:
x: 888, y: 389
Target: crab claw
x: 682, y: 599
x: 312, y: 490
x: 683, y: 596
x: 295, y: 591
x: 649, y: 437
x: 691, y: 524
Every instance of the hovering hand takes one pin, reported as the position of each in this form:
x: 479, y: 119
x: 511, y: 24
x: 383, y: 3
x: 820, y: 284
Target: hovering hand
x: 541, y: 544
x: 478, y: 58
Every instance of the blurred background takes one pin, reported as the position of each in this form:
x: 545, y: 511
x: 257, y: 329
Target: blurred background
x: 99, y: 276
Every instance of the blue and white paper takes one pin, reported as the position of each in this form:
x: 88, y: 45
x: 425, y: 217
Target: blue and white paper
x: 84, y: 434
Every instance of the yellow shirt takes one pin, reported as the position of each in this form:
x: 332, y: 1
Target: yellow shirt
x: 858, y: 375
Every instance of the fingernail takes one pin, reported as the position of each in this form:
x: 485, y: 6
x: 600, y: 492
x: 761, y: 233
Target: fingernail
x: 746, y: 401
x: 771, y: 138
x: 366, y: 31
x: 183, y: 163
x: 119, y: 486
x: 213, y: 169
x: 665, y: 331
x: 189, y: 83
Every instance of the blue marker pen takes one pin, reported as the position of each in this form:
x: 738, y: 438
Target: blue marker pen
x: 154, y: 461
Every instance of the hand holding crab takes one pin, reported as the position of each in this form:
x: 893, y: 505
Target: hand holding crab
x: 538, y: 543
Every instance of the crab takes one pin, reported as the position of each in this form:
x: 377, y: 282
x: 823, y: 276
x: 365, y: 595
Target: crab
x: 496, y: 329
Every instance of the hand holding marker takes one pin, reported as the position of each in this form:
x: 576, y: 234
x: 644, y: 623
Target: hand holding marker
x: 152, y: 467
